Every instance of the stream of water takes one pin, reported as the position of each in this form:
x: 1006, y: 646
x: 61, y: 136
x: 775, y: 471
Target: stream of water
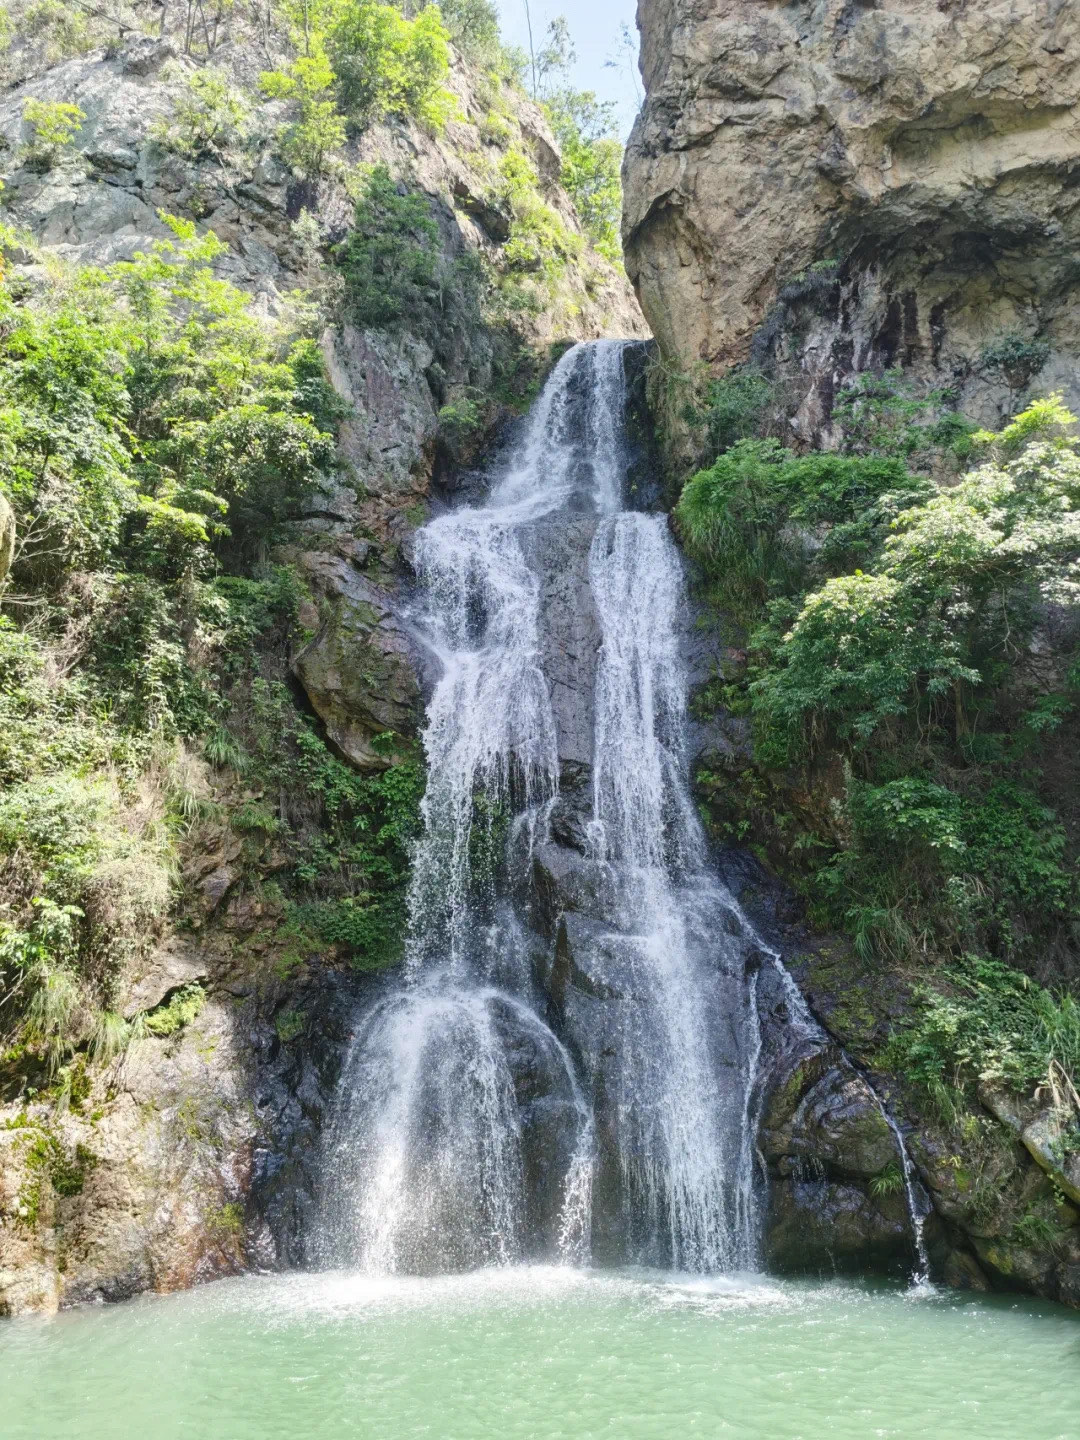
x: 565, y: 1076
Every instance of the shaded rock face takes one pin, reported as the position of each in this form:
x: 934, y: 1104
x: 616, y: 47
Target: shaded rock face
x: 196, y: 1156
x: 360, y: 669
x: 836, y: 1197
x: 928, y: 149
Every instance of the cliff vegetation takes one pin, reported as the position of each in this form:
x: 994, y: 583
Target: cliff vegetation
x: 271, y: 272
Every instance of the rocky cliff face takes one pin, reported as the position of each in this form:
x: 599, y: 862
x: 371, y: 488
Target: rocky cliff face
x: 196, y: 1154
x: 819, y: 191
x: 854, y: 184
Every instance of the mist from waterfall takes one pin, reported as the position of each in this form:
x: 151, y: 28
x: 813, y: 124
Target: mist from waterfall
x: 489, y: 1110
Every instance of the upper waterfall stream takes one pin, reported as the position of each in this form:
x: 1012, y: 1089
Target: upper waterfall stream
x: 564, y: 1068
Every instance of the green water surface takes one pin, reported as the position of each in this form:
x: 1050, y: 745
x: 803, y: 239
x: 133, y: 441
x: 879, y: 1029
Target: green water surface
x: 540, y: 1354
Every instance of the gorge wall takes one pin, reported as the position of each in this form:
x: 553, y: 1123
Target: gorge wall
x: 856, y: 184
x: 816, y: 193
x: 193, y: 1154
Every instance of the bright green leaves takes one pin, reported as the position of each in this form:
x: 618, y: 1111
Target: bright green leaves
x: 987, y: 1021
x: 388, y: 65
x: 319, y: 129
x: 765, y: 522
x: 893, y: 626
x: 53, y: 125
x: 146, y: 414
x: 953, y: 574
x: 862, y: 651
x: 390, y: 256
x: 591, y: 164
x: 208, y: 116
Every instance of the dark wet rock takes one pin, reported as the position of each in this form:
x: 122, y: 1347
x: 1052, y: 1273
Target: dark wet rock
x: 821, y: 1225
x: 360, y: 672
x: 963, y: 1272
x: 836, y: 1126
x: 559, y: 551
x: 1045, y: 1131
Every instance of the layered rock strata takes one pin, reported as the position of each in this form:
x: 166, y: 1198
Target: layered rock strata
x: 855, y: 184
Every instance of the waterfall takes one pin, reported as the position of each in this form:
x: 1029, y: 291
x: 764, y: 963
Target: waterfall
x: 565, y: 1066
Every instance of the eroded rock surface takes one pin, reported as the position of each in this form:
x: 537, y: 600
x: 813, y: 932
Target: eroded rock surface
x: 922, y: 153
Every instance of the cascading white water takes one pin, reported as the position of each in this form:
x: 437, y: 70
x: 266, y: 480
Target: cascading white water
x: 464, y: 1131
x: 682, y: 1152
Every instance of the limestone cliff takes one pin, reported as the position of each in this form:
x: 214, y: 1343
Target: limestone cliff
x: 194, y: 1154
x: 824, y: 190
x: 922, y: 154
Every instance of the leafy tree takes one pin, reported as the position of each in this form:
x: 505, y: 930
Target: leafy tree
x: 319, y: 129
x: 208, y: 115
x: 52, y: 125
x: 957, y: 583
x: 388, y: 65
x: 390, y: 256
x: 591, y: 163
x: 473, y: 26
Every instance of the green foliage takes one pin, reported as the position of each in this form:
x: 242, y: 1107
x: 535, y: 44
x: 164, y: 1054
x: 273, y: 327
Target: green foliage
x: 924, y: 864
x: 319, y: 129
x: 591, y: 163
x: 183, y: 1007
x: 734, y: 408
x: 209, y: 115
x: 152, y: 430
x: 1016, y: 360
x: 765, y: 521
x: 52, y: 125
x: 473, y: 26
x: 889, y: 1181
x: 64, y: 30
x: 983, y: 1020
x: 956, y: 584
x: 885, y: 414
x: 891, y: 624
x: 389, y: 258
x: 388, y: 65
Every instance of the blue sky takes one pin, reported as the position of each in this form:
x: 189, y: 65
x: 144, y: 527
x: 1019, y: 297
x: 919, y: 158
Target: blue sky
x: 595, y: 27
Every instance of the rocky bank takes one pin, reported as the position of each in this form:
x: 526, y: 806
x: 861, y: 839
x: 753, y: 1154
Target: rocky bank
x: 817, y: 191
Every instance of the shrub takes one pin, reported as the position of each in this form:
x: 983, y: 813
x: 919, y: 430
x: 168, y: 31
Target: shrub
x: 53, y: 125
x: 388, y: 65
x: 959, y: 580
x: 885, y: 414
x: 473, y: 26
x: 764, y: 521
x: 591, y: 164
x: 1016, y: 360
x: 986, y: 1021
x: 389, y: 258
x: 319, y: 129
x: 208, y: 115
x: 734, y: 409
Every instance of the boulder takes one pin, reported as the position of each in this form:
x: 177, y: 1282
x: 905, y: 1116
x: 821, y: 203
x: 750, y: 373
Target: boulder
x: 360, y: 671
